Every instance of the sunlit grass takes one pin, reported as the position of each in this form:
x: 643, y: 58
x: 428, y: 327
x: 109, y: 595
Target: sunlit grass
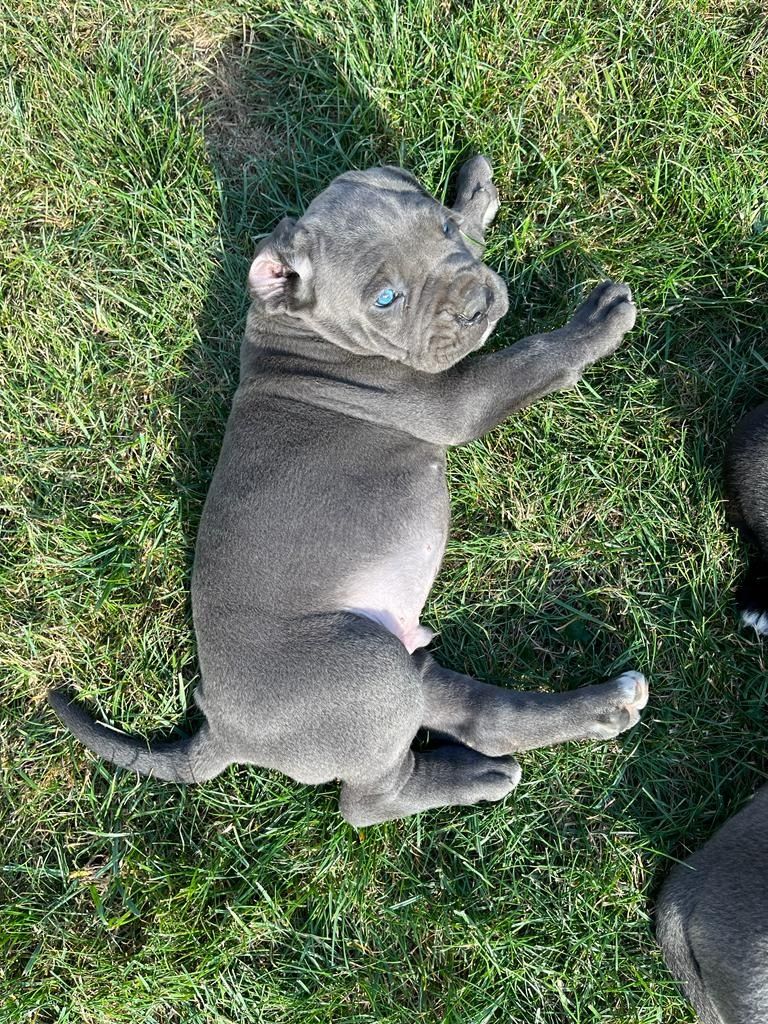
x: 145, y: 148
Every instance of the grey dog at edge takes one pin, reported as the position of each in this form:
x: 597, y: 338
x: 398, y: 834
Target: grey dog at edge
x: 327, y: 516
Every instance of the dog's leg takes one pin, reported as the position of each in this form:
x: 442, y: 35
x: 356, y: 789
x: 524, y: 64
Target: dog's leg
x: 447, y: 776
x: 476, y: 203
x: 496, y: 721
x: 344, y: 701
x: 476, y: 394
x: 479, y: 393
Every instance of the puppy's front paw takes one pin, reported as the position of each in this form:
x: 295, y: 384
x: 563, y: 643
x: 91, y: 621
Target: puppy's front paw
x: 605, y: 317
x: 477, y: 199
x: 626, y: 696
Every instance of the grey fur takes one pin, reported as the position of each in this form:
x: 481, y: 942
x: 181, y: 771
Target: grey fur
x: 713, y: 921
x: 328, y: 512
x: 713, y: 909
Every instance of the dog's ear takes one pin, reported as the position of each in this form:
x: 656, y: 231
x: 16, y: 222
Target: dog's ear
x: 281, y: 273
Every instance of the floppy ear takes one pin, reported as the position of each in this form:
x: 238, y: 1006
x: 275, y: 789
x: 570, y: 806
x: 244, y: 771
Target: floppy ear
x: 281, y: 274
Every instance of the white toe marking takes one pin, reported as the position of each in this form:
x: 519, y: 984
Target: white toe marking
x: 490, y: 213
x: 634, y: 687
x: 757, y: 620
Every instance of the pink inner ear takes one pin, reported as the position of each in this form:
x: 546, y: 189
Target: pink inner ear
x: 266, y: 277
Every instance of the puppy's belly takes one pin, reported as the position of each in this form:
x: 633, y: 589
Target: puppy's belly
x: 393, y: 592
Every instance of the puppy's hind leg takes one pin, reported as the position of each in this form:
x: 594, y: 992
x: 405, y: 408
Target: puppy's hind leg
x: 498, y: 721
x: 450, y: 775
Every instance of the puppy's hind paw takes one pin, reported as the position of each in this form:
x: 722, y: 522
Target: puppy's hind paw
x: 627, y: 696
x: 757, y: 620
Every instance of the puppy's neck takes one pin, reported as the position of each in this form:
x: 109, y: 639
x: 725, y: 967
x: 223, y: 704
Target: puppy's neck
x: 289, y: 334
x: 282, y: 340
x: 261, y: 325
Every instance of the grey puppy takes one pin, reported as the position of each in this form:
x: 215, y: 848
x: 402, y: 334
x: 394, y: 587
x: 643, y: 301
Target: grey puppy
x: 713, y: 909
x: 327, y: 516
x: 713, y: 921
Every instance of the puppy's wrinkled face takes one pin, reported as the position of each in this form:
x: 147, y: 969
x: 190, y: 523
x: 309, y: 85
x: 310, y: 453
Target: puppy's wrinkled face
x: 379, y: 267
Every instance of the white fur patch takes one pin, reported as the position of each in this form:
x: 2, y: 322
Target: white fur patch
x: 634, y: 689
x: 490, y: 213
x: 757, y: 620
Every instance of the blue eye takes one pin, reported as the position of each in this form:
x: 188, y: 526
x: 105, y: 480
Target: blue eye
x: 450, y: 227
x: 385, y: 298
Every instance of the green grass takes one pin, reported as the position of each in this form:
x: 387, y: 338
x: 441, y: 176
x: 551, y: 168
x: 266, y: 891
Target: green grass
x: 144, y: 148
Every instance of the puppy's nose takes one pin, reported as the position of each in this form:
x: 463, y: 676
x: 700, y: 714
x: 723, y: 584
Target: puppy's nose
x: 476, y: 305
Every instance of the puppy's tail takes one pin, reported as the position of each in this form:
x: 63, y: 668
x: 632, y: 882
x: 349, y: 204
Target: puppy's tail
x: 672, y: 935
x: 752, y: 595
x: 193, y: 758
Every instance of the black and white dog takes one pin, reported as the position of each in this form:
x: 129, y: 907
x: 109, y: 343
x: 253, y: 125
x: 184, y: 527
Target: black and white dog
x: 746, y: 468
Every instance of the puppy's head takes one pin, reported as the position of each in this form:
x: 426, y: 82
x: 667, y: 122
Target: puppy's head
x: 379, y: 267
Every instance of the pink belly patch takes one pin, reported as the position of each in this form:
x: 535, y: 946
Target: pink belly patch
x: 411, y: 635
x: 393, y: 591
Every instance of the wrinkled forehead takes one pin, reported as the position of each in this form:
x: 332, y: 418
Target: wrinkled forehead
x: 380, y: 202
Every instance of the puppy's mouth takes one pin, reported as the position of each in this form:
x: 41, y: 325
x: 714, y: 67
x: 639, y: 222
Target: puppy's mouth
x: 471, y: 321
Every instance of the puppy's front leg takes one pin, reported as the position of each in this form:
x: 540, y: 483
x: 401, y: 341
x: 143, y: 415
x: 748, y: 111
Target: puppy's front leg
x: 472, y: 397
x: 476, y: 395
x: 476, y: 203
